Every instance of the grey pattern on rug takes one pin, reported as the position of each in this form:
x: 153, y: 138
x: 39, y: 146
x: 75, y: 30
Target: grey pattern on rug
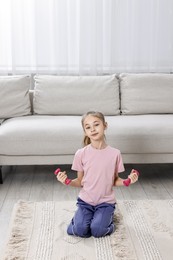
x: 144, y: 230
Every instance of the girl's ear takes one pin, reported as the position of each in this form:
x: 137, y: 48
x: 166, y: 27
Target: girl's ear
x: 106, y: 125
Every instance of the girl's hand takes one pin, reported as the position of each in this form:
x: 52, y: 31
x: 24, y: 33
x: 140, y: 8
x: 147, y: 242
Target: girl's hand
x: 133, y: 176
x: 62, y: 176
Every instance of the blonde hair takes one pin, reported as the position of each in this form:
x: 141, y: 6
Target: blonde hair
x: 86, y: 139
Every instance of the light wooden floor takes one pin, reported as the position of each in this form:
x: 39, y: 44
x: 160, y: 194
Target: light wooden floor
x: 38, y: 183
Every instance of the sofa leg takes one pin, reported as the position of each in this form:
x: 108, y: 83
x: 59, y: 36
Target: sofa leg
x: 1, y: 180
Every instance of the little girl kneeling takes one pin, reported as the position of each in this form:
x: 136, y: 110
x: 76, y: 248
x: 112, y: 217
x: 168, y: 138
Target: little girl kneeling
x: 97, y: 165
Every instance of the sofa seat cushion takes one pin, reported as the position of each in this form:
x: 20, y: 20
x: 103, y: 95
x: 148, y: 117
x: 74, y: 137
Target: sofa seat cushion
x: 41, y: 135
x: 62, y: 135
x: 141, y: 133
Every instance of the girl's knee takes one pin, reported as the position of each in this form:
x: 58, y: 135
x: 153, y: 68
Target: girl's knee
x: 82, y: 230
x: 99, y: 231
x: 78, y: 229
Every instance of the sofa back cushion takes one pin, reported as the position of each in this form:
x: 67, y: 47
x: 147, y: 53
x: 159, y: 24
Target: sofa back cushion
x: 146, y: 93
x: 75, y: 95
x: 14, y: 96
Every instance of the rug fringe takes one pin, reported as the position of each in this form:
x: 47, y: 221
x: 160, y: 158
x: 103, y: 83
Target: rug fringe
x: 120, y: 241
x: 19, y: 236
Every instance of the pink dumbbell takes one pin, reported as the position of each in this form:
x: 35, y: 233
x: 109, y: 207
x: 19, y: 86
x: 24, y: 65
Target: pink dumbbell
x: 67, y: 181
x: 128, y: 181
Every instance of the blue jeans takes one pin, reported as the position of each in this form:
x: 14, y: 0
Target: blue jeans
x: 91, y: 220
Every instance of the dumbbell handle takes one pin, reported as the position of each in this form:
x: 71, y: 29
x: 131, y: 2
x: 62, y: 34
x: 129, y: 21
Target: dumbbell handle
x: 128, y: 180
x: 67, y: 181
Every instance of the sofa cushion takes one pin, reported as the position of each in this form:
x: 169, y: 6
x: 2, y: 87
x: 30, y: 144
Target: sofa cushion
x: 146, y: 93
x: 75, y: 95
x: 41, y: 135
x: 141, y: 134
x: 14, y: 96
x: 62, y: 135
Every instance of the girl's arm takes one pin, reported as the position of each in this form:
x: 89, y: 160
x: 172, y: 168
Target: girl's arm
x: 118, y: 181
x: 62, y: 176
x: 77, y: 182
x: 133, y: 178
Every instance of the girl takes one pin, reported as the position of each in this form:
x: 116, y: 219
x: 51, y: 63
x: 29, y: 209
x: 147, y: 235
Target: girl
x: 97, y: 166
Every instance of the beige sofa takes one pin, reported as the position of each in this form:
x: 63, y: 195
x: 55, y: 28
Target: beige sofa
x: 43, y: 126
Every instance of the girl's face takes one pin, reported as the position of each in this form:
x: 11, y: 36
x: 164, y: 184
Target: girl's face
x: 94, y: 128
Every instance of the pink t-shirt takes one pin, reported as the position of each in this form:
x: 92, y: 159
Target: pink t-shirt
x: 100, y: 168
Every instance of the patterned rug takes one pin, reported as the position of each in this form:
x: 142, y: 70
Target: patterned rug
x: 144, y: 230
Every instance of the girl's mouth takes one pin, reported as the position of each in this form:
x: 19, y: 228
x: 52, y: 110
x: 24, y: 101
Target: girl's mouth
x: 94, y: 134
